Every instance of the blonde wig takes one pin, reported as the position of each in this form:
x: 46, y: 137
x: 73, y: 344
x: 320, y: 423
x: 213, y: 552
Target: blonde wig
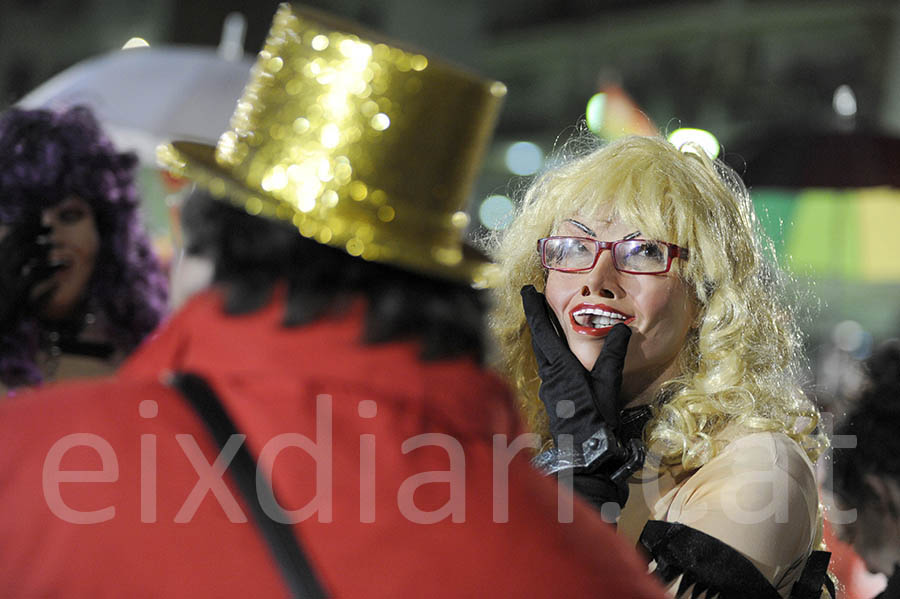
x: 740, y: 365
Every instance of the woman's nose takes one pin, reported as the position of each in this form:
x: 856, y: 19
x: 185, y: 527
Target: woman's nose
x: 603, y: 279
x: 49, y: 222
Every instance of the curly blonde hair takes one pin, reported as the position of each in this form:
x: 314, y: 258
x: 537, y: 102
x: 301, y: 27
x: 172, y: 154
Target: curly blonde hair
x: 740, y: 366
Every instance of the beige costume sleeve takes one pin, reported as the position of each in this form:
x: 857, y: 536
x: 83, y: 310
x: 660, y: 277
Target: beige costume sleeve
x: 760, y: 497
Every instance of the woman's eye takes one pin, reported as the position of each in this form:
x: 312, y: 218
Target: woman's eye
x: 649, y: 250
x: 582, y: 248
x: 71, y: 215
x: 641, y: 256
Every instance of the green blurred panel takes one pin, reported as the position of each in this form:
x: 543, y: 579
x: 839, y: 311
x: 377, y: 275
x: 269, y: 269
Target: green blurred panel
x: 153, y: 202
x: 847, y: 244
x: 155, y: 211
x: 822, y: 242
x: 848, y: 232
x: 775, y: 211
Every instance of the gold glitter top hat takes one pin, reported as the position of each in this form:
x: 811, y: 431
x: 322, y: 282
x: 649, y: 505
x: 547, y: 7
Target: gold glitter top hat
x: 362, y: 145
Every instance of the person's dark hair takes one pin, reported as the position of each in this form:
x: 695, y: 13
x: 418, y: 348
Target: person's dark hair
x: 875, y: 420
x: 252, y: 255
x: 46, y: 157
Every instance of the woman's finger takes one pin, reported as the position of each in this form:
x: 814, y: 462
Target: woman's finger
x: 543, y: 334
x: 607, y: 370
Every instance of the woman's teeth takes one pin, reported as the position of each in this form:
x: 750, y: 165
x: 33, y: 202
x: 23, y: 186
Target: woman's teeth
x: 597, y: 319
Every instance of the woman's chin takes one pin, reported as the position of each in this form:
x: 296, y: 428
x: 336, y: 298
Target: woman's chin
x: 60, y: 306
x: 587, y: 355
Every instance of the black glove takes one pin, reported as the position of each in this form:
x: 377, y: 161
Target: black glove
x: 595, y: 393
x: 23, y: 264
x: 595, y: 396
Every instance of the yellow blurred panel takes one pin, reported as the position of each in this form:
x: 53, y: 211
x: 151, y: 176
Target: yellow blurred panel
x: 879, y: 215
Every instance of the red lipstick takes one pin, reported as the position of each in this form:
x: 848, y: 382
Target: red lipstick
x: 596, y: 331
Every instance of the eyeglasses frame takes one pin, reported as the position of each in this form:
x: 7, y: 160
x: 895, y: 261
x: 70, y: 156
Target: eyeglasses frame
x: 675, y: 251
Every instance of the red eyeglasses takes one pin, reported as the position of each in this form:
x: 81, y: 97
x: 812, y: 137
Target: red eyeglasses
x: 632, y: 256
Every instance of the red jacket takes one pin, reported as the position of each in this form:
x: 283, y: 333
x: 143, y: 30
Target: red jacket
x: 133, y: 524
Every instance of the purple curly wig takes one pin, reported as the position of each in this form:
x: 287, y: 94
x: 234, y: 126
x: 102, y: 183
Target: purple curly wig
x: 46, y: 157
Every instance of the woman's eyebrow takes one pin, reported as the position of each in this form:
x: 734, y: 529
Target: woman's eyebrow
x: 581, y: 226
x: 590, y: 232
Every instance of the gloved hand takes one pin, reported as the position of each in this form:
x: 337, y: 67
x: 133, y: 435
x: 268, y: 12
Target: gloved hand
x: 23, y: 264
x: 595, y: 393
x: 602, y: 478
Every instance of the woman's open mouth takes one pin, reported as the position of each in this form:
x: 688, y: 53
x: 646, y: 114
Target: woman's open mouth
x: 59, y: 260
x: 596, y: 320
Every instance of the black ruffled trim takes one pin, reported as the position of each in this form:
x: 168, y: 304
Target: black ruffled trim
x: 707, y: 564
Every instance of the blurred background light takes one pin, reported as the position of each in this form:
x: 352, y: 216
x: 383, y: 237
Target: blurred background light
x: 524, y: 158
x: 136, y: 42
x: 234, y: 31
x: 495, y: 212
x: 611, y: 113
x: 844, y: 101
x: 849, y: 336
x: 596, y: 107
x: 702, y: 138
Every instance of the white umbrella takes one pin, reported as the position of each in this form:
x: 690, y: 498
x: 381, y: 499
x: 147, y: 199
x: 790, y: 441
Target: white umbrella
x: 145, y: 96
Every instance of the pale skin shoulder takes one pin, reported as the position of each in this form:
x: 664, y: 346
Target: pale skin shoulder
x: 759, y: 496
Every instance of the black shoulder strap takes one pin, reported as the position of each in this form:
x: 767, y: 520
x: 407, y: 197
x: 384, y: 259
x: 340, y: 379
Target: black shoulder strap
x: 285, y: 547
x: 814, y: 575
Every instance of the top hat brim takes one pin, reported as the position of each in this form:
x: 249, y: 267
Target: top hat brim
x: 197, y: 162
